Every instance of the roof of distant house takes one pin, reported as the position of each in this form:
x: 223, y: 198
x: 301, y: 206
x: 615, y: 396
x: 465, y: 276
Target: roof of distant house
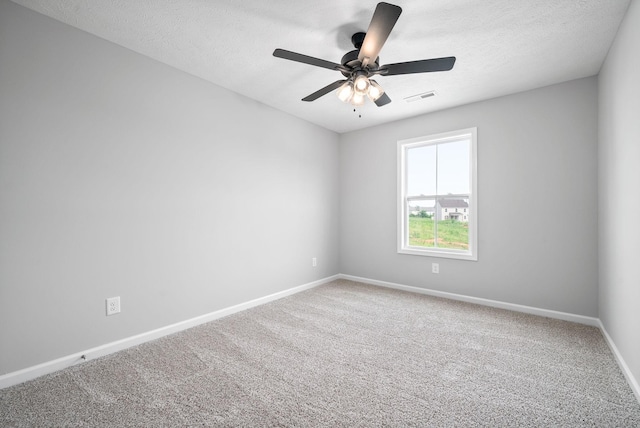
x: 453, y: 203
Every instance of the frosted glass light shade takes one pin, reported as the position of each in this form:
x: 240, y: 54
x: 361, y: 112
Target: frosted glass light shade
x: 345, y: 92
x: 357, y: 99
x: 361, y: 84
x: 375, y: 90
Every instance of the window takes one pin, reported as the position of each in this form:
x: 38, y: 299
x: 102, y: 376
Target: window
x: 436, y: 181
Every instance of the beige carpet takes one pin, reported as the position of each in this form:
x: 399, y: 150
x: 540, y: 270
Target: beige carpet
x: 344, y: 354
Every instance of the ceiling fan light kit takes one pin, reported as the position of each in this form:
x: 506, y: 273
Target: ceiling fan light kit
x: 359, y: 65
x: 354, y: 92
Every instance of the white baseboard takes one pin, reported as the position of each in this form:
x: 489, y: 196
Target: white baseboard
x: 581, y: 319
x: 33, y: 372
x: 631, y: 380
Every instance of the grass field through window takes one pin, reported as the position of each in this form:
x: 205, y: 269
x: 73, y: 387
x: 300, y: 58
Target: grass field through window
x: 451, y: 233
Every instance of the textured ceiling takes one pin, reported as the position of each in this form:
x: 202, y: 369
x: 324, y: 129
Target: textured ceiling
x: 502, y: 46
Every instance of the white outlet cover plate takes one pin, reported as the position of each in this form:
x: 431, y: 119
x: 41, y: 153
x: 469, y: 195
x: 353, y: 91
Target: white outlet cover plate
x: 113, y: 305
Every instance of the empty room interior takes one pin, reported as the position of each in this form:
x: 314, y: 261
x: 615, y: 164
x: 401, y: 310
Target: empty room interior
x: 195, y: 229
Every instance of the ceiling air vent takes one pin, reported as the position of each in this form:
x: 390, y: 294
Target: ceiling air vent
x: 419, y: 97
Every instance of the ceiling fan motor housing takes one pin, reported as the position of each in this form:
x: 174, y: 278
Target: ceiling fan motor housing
x: 350, y: 59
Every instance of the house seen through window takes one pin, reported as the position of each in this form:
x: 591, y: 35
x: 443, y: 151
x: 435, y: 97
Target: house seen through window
x: 437, y: 203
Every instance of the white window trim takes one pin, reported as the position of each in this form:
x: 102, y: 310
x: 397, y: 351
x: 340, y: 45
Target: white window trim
x: 403, y: 248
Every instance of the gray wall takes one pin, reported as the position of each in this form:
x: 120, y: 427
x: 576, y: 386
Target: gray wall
x: 537, y: 179
x: 619, y: 182
x: 120, y: 176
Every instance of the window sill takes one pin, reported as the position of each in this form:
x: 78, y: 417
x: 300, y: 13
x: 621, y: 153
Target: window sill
x: 442, y: 253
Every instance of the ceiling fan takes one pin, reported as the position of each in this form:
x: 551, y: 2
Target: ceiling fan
x: 359, y: 65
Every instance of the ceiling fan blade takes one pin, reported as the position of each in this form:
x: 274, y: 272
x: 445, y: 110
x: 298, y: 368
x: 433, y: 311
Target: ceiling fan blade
x: 382, y: 22
x: 305, y: 59
x: 383, y: 100
x: 317, y: 94
x: 423, y: 66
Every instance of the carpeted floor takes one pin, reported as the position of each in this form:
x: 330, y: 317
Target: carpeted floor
x: 344, y: 354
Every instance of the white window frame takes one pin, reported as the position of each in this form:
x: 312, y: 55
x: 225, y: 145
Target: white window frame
x: 403, y: 202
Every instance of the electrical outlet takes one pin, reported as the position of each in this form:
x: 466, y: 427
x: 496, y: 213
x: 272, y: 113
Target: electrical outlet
x: 113, y: 305
x: 314, y: 262
x: 435, y: 268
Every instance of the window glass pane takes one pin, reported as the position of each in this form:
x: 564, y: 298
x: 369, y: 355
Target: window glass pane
x: 421, y: 171
x: 421, y: 223
x: 453, y: 168
x: 453, y: 223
